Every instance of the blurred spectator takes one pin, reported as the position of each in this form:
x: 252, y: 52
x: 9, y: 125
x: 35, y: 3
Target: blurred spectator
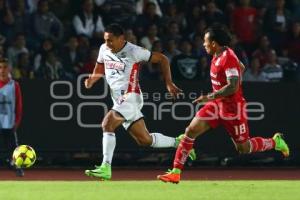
x: 198, y: 49
x: 6, y: 20
x: 141, y: 6
x: 276, y: 23
x: 239, y: 50
x: 1, y: 52
x: 51, y: 68
x: 204, y: 69
x: 171, y: 49
x: 46, y: 24
x: 199, y: 29
x: 185, y: 66
x: 263, y: 50
x: 244, y: 23
x: 2, y: 39
x: 88, y: 23
x: 89, y: 65
x: 253, y: 73
x: 150, y: 38
x: 293, y: 43
x: 63, y: 11
x: 192, y: 16
x: 272, y: 71
x: 146, y: 19
x: 72, y: 60
x: 23, y: 69
x: 46, y: 45
x: 84, y: 45
x: 19, y: 46
x: 22, y: 23
x: 172, y: 32
x: 119, y: 11
x: 212, y: 13
x: 130, y: 37
x: 173, y: 14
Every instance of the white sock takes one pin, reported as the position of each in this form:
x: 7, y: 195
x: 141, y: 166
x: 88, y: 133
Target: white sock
x: 108, y: 146
x: 161, y: 141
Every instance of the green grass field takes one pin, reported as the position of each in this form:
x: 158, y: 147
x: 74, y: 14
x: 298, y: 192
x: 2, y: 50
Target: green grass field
x: 149, y: 190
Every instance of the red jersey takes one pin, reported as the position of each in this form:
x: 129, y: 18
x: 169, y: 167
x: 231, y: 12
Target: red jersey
x: 224, y: 66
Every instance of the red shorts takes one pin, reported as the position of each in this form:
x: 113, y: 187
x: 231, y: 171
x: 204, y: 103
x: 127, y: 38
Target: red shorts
x: 232, y: 116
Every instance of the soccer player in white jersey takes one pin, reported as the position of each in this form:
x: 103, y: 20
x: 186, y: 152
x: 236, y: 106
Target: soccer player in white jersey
x: 118, y: 61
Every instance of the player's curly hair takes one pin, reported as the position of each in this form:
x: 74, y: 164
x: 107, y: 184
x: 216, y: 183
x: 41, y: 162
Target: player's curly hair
x: 115, y: 29
x: 220, y: 34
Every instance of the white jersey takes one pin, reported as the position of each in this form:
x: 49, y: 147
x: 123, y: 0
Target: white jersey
x: 122, y: 68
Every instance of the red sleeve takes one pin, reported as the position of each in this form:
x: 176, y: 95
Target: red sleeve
x: 19, y: 104
x: 100, y: 68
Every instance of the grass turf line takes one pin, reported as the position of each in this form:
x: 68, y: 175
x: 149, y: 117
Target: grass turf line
x: 149, y: 190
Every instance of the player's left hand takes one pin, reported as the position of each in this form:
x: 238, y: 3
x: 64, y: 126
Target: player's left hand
x: 201, y: 99
x: 174, y: 90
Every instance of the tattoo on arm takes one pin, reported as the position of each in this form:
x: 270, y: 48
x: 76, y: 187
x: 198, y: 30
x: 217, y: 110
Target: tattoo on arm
x: 229, y: 89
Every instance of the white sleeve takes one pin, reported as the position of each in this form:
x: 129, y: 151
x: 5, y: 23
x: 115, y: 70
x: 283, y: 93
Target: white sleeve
x: 100, y: 55
x: 142, y: 54
x: 231, y: 72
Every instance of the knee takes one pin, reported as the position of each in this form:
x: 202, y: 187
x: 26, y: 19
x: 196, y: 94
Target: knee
x: 144, y: 141
x: 107, y: 127
x: 191, y: 131
x: 243, y: 148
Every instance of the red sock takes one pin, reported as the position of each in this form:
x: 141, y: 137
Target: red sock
x: 182, y: 152
x: 259, y: 144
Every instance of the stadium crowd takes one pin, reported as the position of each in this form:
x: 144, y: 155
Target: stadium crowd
x: 60, y: 39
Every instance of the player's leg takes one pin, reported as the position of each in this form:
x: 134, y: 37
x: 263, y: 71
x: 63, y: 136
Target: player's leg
x: 207, y: 117
x: 197, y: 127
x: 111, y: 121
x: 11, y: 141
x: 139, y: 132
x: 239, y: 131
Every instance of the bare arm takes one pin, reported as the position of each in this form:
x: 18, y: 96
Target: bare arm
x: 95, y: 76
x: 229, y: 89
x: 242, y: 66
x: 164, y: 64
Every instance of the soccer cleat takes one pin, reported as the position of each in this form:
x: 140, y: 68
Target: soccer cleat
x: 172, y: 176
x: 103, y: 172
x: 19, y: 172
x: 192, y: 154
x: 280, y: 144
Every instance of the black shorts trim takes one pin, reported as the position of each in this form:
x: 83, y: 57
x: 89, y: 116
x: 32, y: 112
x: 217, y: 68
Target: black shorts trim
x: 134, y: 122
x: 119, y: 114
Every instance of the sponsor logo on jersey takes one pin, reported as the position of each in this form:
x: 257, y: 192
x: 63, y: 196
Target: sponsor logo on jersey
x: 110, y: 64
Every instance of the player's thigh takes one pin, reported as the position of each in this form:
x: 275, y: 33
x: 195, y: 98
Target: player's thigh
x: 238, y: 130
x: 197, y: 127
x: 140, y: 133
x: 112, y: 120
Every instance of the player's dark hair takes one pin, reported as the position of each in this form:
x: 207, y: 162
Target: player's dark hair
x: 220, y: 34
x: 4, y: 61
x: 115, y: 29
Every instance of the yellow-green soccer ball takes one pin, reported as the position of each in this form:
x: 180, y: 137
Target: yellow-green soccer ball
x: 24, y: 156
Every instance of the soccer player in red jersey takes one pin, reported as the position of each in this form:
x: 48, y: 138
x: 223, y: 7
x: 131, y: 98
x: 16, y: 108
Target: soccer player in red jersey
x: 225, y: 106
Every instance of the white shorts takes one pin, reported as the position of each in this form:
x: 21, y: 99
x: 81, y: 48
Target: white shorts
x: 129, y: 107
